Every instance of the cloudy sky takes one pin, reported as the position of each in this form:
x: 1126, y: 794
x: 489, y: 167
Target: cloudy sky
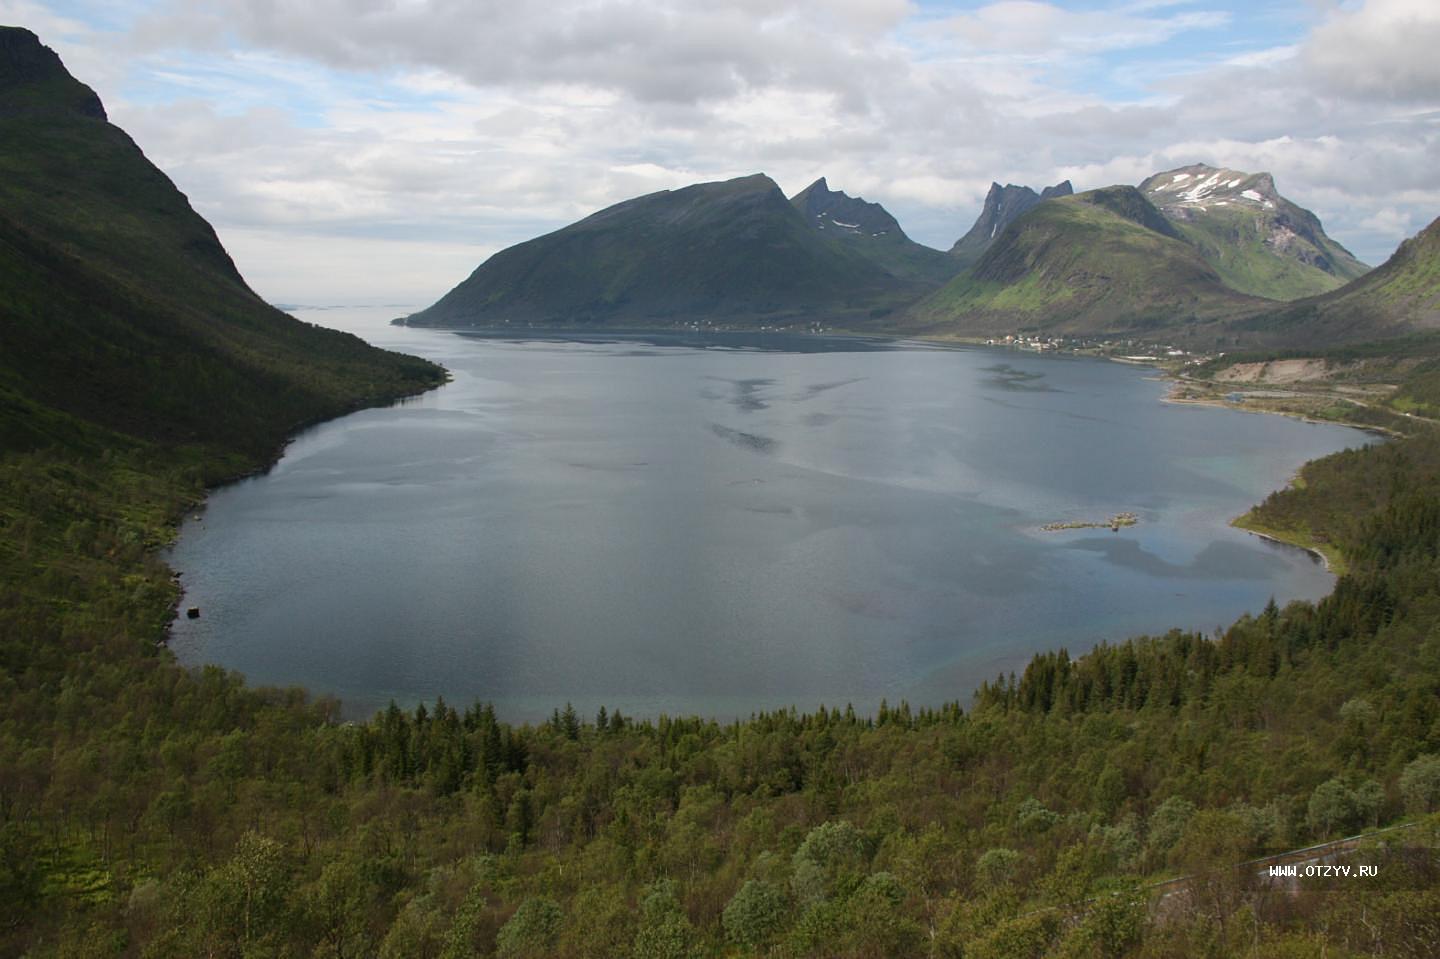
x: 375, y: 151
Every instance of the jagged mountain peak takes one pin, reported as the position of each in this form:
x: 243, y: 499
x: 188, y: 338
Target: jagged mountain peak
x: 837, y: 212
x: 869, y: 229
x: 1003, y: 205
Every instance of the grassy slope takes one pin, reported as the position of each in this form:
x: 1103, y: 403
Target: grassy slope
x: 1098, y: 262
x: 1228, y: 240
x: 1392, y: 383
x: 1261, y: 244
x: 903, y: 258
x: 1404, y: 371
x: 1400, y: 296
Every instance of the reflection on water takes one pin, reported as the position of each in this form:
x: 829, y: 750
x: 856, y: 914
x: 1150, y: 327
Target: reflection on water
x: 721, y: 523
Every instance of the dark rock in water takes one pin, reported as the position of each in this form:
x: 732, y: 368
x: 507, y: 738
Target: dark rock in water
x: 193, y: 612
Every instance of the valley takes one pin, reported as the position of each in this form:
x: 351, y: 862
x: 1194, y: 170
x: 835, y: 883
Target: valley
x: 647, y: 569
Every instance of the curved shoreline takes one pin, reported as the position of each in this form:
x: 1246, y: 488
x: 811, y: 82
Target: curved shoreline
x: 433, y: 344
x: 1313, y: 551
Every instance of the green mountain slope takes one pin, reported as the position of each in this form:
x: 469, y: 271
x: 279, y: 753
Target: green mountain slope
x: 135, y: 368
x: 1102, y: 262
x: 118, y: 304
x: 1400, y: 296
x: 1258, y: 242
x: 869, y: 229
x: 734, y: 251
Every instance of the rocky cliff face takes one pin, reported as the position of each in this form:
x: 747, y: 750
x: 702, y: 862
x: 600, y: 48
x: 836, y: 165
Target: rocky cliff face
x: 1258, y: 240
x: 835, y: 212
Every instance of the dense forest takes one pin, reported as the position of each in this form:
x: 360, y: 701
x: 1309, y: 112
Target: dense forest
x: 149, y: 810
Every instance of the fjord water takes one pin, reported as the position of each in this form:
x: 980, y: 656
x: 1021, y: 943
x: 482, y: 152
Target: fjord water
x: 722, y: 524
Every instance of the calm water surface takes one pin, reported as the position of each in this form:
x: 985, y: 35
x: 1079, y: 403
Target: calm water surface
x: 676, y: 526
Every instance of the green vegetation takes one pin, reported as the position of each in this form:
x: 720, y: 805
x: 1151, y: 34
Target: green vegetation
x: 1391, y: 385
x: 121, y: 307
x: 1003, y: 205
x: 1399, y: 297
x: 1103, y: 262
x: 1194, y: 256
x: 1229, y: 240
x: 1258, y: 241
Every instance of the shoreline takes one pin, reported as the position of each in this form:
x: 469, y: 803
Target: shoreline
x: 192, y: 508
x: 1178, y: 383
x: 1271, y: 537
x: 620, y: 334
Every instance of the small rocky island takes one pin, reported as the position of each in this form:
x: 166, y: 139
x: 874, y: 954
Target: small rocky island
x: 1114, y: 522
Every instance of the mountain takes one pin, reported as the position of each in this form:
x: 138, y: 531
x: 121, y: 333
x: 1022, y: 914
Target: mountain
x: 1101, y: 262
x: 736, y: 252
x: 120, y: 309
x: 1259, y: 242
x: 871, y: 231
x: 1399, y: 297
x: 1003, y: 205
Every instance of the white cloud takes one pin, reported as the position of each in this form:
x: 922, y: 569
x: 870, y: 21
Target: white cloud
x: 1386, y: 49
x: 442, y: 129
x: 1391, y: 222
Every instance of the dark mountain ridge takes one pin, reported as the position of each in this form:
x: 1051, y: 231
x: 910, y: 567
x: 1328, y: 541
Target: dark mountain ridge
x: 121, y: 306
x: 872, y: 232
x: 734, y: 252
